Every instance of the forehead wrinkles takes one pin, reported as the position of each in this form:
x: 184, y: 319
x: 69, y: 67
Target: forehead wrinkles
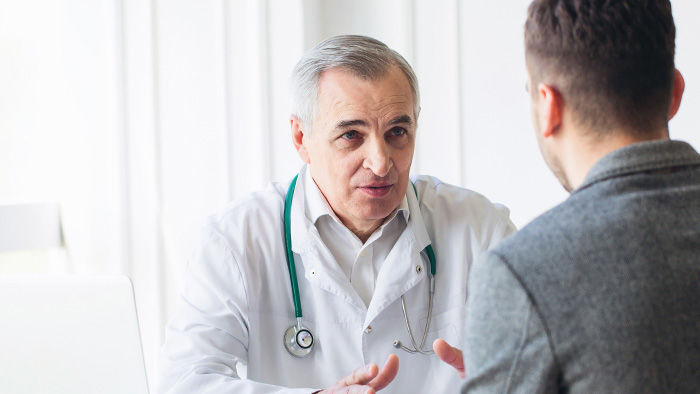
x: 376, y: 108
x: 341, y: 94
x: 376, y: 115
x: 379, y: 108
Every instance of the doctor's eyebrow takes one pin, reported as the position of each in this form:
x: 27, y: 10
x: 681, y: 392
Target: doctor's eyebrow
x: 344, y: 124
x: 403, y: 119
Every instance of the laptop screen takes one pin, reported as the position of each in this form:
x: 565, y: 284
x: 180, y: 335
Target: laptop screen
x: 69, y: 334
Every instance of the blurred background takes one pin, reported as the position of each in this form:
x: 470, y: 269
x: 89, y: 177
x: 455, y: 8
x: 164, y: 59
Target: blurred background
x: 124, y: 123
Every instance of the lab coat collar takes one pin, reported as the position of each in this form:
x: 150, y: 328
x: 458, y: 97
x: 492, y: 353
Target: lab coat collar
x: 416, y: 224
x: 316, y: 204
x: 300, y: 224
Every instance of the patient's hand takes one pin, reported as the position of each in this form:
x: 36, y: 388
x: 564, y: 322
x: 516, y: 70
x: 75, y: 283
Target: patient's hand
x: 450, y: 355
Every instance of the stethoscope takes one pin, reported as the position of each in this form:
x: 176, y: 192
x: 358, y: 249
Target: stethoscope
x: 298, y: 339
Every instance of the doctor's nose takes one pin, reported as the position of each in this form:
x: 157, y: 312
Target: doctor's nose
x: 378, y: 159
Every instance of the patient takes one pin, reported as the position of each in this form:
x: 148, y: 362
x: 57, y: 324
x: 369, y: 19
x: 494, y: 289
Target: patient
x: 600, y: 294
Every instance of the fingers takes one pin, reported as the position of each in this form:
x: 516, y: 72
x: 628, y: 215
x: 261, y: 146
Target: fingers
x: 368, y: 379
x: 356, y: 382
x: 450, y: 355
x: 387, y: 374
x: 360, y: 376
x: 354, y: 389
x: 358, y: 390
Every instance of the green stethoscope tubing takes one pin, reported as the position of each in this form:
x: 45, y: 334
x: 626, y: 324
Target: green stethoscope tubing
x: 428, y: 250
x: 288, y: 246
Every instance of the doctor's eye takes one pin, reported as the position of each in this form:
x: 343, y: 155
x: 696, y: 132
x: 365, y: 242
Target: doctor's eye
x: 398, y: 131
x: 350, y: 135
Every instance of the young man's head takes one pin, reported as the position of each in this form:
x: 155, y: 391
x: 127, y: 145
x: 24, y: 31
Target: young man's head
x: 611, y: 61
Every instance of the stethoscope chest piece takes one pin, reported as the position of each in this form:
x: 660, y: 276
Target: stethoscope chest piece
x: 298, y: 340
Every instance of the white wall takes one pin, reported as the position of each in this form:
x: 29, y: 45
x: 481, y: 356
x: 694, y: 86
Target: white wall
x: 142, y: 117
x: 685, y: 125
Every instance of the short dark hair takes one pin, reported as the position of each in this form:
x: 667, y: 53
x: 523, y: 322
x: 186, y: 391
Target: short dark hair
x: 612, y: 60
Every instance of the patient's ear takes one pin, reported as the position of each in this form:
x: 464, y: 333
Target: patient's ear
x: 550, y: 107
x: 677, y: 95
x: 298, y: 138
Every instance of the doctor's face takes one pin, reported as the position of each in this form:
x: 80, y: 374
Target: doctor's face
x: 361, y: 145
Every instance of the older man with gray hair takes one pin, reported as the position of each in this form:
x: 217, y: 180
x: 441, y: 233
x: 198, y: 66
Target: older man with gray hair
x: 321, y: 277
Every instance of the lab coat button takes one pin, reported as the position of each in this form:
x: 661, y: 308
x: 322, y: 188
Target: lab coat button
x: 419, y: 269
x: 363, y: 253
x: 368, y: 329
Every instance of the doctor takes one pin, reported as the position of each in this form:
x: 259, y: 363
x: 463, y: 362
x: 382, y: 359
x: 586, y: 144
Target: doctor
x: 358, y: 231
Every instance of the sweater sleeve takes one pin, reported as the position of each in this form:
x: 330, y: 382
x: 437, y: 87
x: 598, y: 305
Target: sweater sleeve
x: 506, y: 349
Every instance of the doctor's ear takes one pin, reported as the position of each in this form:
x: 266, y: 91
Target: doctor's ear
x: 298, y: 138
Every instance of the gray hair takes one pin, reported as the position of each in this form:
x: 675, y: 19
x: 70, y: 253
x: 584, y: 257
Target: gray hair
x: 361, y: 56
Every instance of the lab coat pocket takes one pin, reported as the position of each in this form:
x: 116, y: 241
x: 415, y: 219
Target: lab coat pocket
x: 446, y: 326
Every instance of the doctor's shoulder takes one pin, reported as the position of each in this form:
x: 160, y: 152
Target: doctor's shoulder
x: 461, y: 207
x: 255, y: 215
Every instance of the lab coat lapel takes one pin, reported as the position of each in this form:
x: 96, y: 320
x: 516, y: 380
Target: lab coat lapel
x: 404, y: 267
x: 320, y: 268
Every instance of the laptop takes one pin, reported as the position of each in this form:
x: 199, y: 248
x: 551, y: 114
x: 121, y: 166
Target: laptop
x: 69, y: 335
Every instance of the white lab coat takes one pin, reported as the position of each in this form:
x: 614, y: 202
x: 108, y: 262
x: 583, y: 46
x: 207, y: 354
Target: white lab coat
x: 237, y: 302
